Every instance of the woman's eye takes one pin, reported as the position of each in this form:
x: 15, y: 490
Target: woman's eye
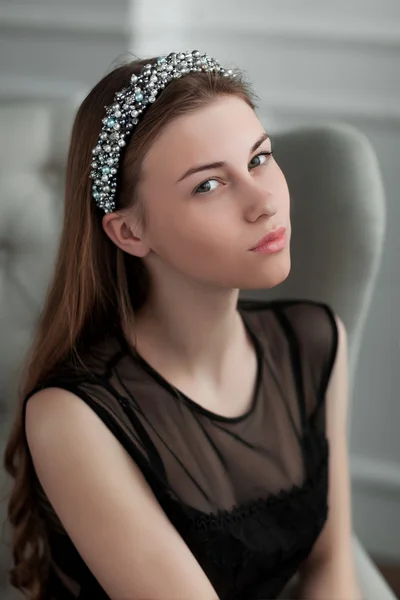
x: 206, y: 186
x: 259, y: 159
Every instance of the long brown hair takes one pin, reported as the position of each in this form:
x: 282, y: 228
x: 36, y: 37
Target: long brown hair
x: 90, y: 287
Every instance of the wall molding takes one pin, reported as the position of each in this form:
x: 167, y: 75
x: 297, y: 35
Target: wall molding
x: 378, y: 475
x: 13, y: 87
x: 60, y: 18
x: 322, y: 33
x: 381, y: 113
x: 115, y: 20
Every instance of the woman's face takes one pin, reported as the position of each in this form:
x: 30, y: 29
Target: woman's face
x: 210, y: 195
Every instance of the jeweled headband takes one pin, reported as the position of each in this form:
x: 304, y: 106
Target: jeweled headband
x: 129, y: 103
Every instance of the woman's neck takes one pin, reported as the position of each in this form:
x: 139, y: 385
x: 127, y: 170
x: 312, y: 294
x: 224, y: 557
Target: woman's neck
x: 190, y: 325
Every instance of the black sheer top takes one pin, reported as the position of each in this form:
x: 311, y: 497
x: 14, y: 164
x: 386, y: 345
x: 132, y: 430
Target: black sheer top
x: 247, y: 494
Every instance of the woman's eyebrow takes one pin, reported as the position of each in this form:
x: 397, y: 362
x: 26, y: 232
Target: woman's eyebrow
x: 219, y: 164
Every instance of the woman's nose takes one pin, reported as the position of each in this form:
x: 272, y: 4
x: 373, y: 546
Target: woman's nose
x: 259, y: 202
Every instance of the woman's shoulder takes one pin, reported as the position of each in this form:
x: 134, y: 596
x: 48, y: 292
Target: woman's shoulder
x: 309, y: 319
x: 309, y: 327
x: 87, y: 389
x: 85, y: 375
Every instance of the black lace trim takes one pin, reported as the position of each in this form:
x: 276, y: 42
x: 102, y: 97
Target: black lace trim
x: 266, y: 531
x: 222, y: 518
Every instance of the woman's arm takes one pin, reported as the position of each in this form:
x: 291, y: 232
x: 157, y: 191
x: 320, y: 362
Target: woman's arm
x: 329, y: 572
x: 106, y: 506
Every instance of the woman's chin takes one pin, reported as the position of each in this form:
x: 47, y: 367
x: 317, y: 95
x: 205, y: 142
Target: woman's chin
x: 273, y: 274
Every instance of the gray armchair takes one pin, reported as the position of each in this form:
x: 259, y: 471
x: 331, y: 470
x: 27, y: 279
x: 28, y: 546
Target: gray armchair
x: 334, y: 182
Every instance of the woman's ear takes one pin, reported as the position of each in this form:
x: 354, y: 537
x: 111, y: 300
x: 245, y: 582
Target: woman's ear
x: 127, y: 234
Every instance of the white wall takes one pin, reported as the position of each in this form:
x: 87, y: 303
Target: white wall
x: 310, y: 61
x: 324, y: 61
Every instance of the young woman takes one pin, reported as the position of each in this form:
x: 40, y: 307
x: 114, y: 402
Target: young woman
x: 175, y: 441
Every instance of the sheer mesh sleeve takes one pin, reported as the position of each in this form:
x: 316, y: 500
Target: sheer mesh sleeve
x: 313, y: 331
x: 103, y: 388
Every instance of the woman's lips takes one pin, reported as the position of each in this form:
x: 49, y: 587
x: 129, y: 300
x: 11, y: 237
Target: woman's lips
x: 272, y: 242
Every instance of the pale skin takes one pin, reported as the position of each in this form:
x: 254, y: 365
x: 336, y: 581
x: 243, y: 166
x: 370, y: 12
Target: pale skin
x: 196, y: 247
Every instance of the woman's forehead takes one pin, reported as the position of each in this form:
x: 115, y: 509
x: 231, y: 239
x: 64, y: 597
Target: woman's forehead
x: 209, y: 133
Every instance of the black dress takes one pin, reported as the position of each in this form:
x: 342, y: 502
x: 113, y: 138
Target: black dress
x: 247, y: 494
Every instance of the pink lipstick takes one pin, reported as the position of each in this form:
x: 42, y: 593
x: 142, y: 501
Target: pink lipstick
x: 272, y: 242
